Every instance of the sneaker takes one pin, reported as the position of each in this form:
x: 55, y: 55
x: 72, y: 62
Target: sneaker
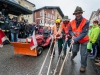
x: 82, y: 69
x: 97, y: 64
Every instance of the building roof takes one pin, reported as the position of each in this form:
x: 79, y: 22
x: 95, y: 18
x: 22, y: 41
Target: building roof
x: 30, y: 2
x: 14, y: 8
x: 94, y: 12
x: 98, y: 11
x: 51, y: 7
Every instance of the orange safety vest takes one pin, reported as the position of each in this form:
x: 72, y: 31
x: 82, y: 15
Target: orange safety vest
x: 55, y: 32
x: 66, y: 28
x: 78, y: 30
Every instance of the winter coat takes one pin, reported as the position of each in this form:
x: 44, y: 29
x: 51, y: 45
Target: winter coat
x: 89, y: 44
x: 22, y: 31
x: 84, y: 29
x: 94, y: 34
x: 27, y: 29
x: 13, y: 29
x: 41, y: 30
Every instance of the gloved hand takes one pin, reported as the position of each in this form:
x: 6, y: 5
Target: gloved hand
x: 72, y: 42
x: 66, y: 38
x: 57, y: 35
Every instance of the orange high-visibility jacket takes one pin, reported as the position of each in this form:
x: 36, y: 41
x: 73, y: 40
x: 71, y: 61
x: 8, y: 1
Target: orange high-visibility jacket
x: 66, y: 28
x: 78, y: 30
x: 55, y: 32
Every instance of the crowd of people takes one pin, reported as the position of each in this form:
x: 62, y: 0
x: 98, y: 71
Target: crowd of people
x: 81, y: 35
x: 14, y: 29
x: 84, y: 36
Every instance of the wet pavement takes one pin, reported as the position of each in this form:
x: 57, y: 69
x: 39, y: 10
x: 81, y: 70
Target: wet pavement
x: 11, y: 64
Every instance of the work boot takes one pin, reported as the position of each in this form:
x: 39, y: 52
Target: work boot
x: 82, y: 69
x: 97, y: 64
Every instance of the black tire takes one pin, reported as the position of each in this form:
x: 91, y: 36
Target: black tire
x: 40, y: 50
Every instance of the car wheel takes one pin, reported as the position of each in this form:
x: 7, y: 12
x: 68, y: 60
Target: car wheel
x: 40, y: 49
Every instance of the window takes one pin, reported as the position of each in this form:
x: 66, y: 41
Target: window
x: 46, y: 21
x: 48, y: 15
x: 52, y: 11
x: 41, y: 14
x: 51, y: 16
x: 26, y: 6
x: 41, y: 21
x: 52, y: 22
x: 49, y: 22
x: 28, y: 16
x: 19, y: 2
x: 15, y: 1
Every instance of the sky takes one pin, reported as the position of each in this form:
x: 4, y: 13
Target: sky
x: 68, y: 6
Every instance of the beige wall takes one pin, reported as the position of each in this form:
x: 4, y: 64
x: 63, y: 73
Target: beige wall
x: 30, y: 7
x: 57, y: 13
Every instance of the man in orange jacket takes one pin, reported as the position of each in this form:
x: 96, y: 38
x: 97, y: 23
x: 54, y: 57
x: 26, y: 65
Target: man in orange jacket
x: 66, y: 36
x: 79, y: 31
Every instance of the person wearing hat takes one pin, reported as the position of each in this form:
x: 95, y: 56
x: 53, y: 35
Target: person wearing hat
x: 79, y: 32
x: 4, y: 25
x: 93, y: 38
x: 14, y: 29
x: 65, y: 29
x: 57, y: 36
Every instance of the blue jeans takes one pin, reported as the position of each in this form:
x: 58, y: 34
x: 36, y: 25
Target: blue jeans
x: 94, y: 46
x: 66, y: 44
x: 14, y: 37
x: 83, y: 52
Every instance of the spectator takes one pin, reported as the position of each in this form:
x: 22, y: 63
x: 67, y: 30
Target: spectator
x: 93, y: 38
x: 4, y: 25
x: 89, y: 45
x: 33, y: 27
x: 22, y: 30
x: 98, y: 51
x: 5, y: 11
x: 27, y: 30
x: 14, y: 29
x: 41, y: 30
x: 49, y: 30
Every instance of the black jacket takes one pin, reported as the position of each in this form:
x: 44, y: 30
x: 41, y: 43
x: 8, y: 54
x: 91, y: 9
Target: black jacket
x: 16, y: 25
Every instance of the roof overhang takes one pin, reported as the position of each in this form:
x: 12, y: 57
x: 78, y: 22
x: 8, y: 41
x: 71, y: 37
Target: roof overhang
x: 15, y: 8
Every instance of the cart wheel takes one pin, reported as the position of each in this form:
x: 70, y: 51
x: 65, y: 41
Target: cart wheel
x: 40, y: 49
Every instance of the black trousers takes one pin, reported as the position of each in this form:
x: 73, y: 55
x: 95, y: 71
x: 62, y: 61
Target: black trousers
x: 52, y: 46
x: 59, y: 49
x: 98, y: 49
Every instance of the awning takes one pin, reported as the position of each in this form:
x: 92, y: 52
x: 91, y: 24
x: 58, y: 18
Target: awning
x: 15, y: 8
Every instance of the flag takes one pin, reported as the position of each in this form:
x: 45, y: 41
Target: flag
x: 2, y: 38
x: 33, y: 43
